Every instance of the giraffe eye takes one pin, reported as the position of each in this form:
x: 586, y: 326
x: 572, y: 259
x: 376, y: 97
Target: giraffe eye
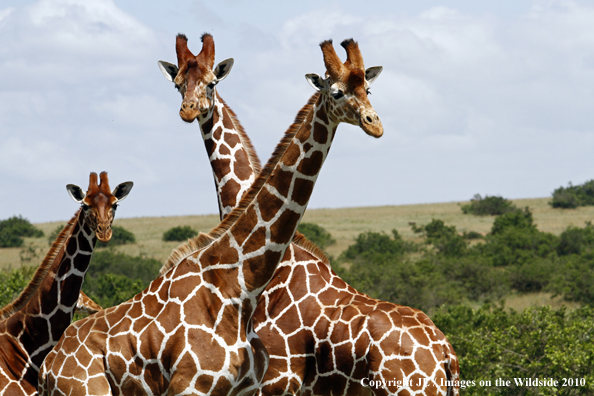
x: 337, y: 94
x: 85, y: 207
x: 368, y: 91
x: 211, y: 85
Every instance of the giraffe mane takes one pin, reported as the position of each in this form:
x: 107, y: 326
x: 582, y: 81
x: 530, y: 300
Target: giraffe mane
x: 55, y: 251
x: 198, y: 243
x: 245, y: 140
x: 301, y: 240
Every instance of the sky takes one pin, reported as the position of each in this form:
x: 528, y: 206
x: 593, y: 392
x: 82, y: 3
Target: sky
x: 494, y: 98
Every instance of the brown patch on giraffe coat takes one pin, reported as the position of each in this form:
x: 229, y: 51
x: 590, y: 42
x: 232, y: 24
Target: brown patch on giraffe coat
x: 288, y: 318
x: 212, y: 354
x: 291, y: 155
x: 324, y: 357
x: 298, y: 286
x: 241, y: 231
x: 321, y: 327
x: 232, y: 139
x: 197, y: 313
x: 281, y: 180
x: 338, y: 384
x: 224, y: 150
x: 344, y: 356
x: 310, y: 166
x: 242, y: 172
x: 217, y: 134
x: 255, y: 241
x: 211, y: 146
x: 302, y: 191
x: 170, y: 318
x: 283, y: 229
x: 425, y: 360
x: 208, y: 124
x: 419, y: 334
x: 229, y: 192
x: 152, y: 306
x: 269, y: 204
x: 257, y: 271
x: 277, y: 303
x: 340, y: 332
x: 320, y: 133
x: 221, y: 167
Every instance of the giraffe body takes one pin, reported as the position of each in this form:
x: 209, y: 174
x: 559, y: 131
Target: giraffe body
x: 33, y: 324
x: 306, y: 305
x: 191, y: 331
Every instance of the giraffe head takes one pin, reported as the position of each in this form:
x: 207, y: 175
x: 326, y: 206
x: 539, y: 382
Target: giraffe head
x: 194, y: 77
x: 99, y: 203
x: 346, y: 87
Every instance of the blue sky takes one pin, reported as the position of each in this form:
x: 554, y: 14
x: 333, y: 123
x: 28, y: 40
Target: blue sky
x: 476, y: 97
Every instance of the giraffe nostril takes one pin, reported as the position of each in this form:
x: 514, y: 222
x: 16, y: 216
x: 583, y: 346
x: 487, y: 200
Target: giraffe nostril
x: 368, y: 119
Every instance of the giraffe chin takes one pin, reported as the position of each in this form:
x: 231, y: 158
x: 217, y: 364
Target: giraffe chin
x: 374, y: 130
x: 189, y: 116
x: 104, y: 236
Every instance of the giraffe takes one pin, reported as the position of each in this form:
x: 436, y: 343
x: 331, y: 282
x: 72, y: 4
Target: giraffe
x: 232, y: 156
x: 190, y: 331
x: 32, y: 324
x: 305, y: 287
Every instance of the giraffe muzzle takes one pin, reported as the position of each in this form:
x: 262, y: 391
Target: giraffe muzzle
x: 189, y: 111
x: 370, y: 122
x: 103, y: 233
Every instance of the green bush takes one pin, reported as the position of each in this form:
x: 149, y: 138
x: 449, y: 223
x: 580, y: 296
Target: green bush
x: 109, y: 289
x: 133, y: 267
x: 119, y: 236
x: 576, y: 240
x: 488, y: 206
x: 113, y: 277
x: 14, y: 228
x: 444, y: 238
x: 571, y: 197
x: 316, y: 234
x: 536, y: 343
x: 575, y: 278
x: 13, y: 282
x: 179, y: 234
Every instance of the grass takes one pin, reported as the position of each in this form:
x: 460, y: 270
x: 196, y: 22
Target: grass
x: 344, y: 225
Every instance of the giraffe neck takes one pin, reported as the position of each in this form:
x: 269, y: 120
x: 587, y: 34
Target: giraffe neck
x: 233, y: 159
x: 40, y: 323
x: 282, y: 193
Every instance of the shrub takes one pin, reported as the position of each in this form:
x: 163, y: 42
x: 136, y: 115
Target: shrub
x: 110, y: 289
x: 119, y: 236
x: 113, y: 277
x: 13, y: 282
x: 571, y: 197
x: 316, y: 234
x: 488, y: 206
x: 14, y: 228
x: 492, y: 343
x: 444, y: 238
x: 517, y: 218
x: 179, y: 234
x: 575, y: 278
x: 576, y: 240
x: 133, y: 267
x: 471, y: 235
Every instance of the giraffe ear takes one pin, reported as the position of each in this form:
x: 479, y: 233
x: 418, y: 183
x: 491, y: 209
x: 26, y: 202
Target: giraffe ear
x: 372, y: 73
x: 317, y: 82
x: 75, y: 192
x: 222, y: 70
x: 169, y: 70
x: 122, y: 190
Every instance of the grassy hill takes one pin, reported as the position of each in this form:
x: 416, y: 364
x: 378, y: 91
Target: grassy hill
x: 344, y: 225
